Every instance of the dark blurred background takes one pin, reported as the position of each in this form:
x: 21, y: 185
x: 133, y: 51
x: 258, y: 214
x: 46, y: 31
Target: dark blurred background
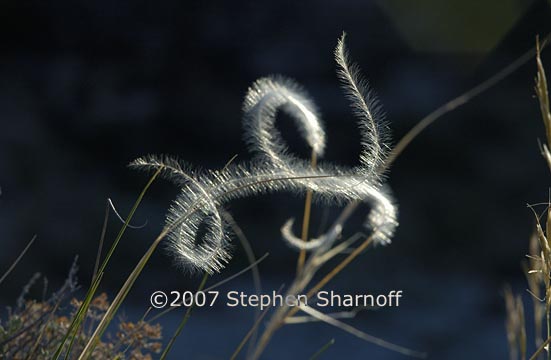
x: 86, y: 87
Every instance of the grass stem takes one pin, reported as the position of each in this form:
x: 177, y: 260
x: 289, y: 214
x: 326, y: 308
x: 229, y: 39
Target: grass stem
x: 184, y: 320
x: 306, y: 218
x: 323, y: 349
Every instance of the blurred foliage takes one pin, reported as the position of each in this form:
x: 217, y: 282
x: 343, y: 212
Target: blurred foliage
x: 454, y: 25
x: 33, y: 329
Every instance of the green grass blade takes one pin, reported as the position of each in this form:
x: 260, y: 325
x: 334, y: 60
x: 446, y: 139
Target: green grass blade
x: 323, y: 349
x: 77, y: 320
x: 14, y: 264
x: 81, y: 315
x: 127, y: 221
x: 83, y: 309
x: 184, y: 321
x: 123, y: 292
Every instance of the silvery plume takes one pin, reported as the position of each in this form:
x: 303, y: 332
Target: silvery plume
x: 203, y: 193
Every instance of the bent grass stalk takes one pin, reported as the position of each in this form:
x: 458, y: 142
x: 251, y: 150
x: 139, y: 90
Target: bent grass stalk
x: 83, y: 309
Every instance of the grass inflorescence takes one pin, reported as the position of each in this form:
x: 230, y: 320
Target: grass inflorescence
x: 199, y: 211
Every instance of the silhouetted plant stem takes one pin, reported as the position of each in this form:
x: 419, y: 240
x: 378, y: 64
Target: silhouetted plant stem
x: 184, y: 320
x: 306, y: 217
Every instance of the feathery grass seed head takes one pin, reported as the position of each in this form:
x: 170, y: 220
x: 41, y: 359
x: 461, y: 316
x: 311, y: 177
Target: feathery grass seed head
x: 365, y: 105
x: 196, y: 212
x: 264, y: 99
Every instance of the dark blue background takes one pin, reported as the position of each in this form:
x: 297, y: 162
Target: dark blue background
x: 87, y: 87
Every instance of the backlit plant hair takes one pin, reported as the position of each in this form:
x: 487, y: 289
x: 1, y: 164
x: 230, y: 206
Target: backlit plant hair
x: 204, y: 192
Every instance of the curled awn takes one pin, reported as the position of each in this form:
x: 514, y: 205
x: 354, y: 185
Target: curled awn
x: 197, y: 210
